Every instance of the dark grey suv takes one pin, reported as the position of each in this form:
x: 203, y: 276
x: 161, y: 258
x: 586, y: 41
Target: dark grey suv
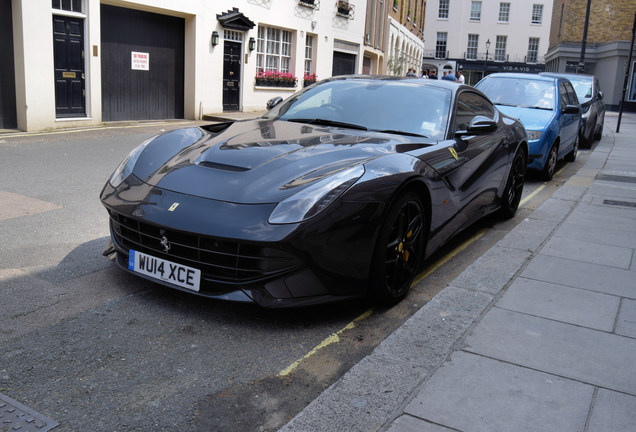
x: 592, y: 105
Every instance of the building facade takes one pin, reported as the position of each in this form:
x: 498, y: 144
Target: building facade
x: 483, y: 37
x: 607, y: 45
x: 406, y: 35
x: 82, y: 62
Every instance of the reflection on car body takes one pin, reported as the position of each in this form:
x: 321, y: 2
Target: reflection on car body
x: 340, y: 191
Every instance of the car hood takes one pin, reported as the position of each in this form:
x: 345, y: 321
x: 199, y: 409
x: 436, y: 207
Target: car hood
x: 532, y: 118
x: 258, y: 161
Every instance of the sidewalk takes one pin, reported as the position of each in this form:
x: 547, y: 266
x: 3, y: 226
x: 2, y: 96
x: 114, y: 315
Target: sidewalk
x: 539, y: 334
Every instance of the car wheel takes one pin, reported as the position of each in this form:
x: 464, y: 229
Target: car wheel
x: 599, y: 134
x: 550, y: 164
x: 514, y: 186
x: 571, y: 157
x: 399, y: 249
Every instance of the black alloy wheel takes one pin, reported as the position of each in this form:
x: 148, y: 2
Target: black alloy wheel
x: 550, y: 163
x: 514, y: 186
x: 399, y: 250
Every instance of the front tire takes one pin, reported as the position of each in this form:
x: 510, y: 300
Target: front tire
x: 550, y: 164
x: 514, y: 186
x: 399, y: 249
x: 571, y: 157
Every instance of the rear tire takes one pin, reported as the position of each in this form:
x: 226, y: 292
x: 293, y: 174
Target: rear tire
x: 514, y: 186
x: 399, y: 249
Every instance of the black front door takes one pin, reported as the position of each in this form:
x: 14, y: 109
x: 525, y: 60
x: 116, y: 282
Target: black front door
x: 231, y: 75
x: 68, y: 53
x: 343, y: 63
x: 8, y: 117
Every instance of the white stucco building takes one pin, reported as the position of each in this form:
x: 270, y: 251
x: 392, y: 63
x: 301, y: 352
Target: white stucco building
x: 82, y: 62
x: 514, y: 33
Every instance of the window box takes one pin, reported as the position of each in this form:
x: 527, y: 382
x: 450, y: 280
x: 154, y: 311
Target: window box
x: 314, y: 4
x: 344, y: 9
x: 275, y: 79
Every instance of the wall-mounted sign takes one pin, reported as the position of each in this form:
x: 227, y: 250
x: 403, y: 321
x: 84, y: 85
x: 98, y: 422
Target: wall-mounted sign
x: 140, y: 60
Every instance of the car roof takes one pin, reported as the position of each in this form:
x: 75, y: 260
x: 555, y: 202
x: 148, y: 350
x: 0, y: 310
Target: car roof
x: 451, y: 85
x: 520, y: 75
x: 567, y: 75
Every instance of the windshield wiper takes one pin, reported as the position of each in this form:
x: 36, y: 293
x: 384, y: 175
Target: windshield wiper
x: 524, y: 106
x: 399, y: 132
x: 325, y: 122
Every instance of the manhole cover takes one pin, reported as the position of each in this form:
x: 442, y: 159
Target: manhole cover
x: 16, y: 417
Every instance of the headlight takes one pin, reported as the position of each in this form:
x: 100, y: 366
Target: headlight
x: 312, y: 200
x: 126, y: 166
x: 534, y: 134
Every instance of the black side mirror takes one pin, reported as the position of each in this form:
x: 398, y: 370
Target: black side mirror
x: 571, y: 109
x: 273, y: 102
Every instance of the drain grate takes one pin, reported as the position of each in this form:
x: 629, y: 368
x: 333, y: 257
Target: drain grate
x: 15, y: 416
x: 620, y: 203
x: 616, y: 178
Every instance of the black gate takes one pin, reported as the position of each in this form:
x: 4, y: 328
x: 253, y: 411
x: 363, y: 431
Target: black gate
x: 68, y: 55
x: 231, y: 75
x: 8, y: 118
x: 142, y: 65
x: 343, y: 63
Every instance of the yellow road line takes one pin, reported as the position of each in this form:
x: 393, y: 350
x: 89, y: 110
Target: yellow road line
x: 334, y: 338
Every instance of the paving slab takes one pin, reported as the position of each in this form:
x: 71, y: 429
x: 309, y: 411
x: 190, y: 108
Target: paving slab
x: 529, y: 235
x: 590, y: 356
x: 554, y: 210
x: 626, y: 323
x: 561, y: 303
x: 615, y: 412
x: 474, y: 393
x: 586, y: 230
x: 577, y: 274
x: 493, y: 270
x: 407, y: 423
x: 589, y: 252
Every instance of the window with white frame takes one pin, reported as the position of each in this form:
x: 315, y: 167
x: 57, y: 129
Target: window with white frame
x: 504, y: 12
x: 533, y: 50
x: 67, y: 5
x: 443, y: 9
x: 273, y: 49
x: 471, y: 48
x: 440, y: 47
x: 309, y: 54
x: 475, y: 10
x: 500, y: 48
x: 537, y: 13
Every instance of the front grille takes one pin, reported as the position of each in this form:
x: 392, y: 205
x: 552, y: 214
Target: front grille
x: 220, y: 260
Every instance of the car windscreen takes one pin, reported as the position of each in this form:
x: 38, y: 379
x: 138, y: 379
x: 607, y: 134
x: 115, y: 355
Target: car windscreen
x: 375, y: 105
x: 582, y: 87
x: 521, y: 92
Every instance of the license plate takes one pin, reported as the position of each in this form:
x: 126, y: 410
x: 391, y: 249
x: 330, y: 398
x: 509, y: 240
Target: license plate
x: 164, y: 270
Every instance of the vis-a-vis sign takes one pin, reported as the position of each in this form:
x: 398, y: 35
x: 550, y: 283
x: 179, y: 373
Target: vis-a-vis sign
x: 140, y: 60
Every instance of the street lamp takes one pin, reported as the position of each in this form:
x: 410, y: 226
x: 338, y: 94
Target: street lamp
x: 486, y: 60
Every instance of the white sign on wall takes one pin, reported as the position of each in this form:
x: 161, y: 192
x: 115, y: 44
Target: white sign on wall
x: 140, y: 60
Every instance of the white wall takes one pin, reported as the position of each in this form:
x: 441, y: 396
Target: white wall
x: 33, y: 49
x: 519, y: 28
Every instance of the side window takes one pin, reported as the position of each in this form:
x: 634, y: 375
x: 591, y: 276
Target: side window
x: 563, y: 95
x: 574, y: 100
x: 470, y: 105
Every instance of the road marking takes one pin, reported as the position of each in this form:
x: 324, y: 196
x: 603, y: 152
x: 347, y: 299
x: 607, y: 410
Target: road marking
x: 334, y: 338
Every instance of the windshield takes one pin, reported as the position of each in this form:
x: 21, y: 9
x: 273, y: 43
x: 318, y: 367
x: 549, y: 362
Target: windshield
x: 527, y: 93
x: 582, y: 87
x: 377, y: 105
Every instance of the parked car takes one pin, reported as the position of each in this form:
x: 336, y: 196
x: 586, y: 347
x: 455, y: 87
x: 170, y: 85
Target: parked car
x: 340, y: 191
x: 590, y: 96
x: 548, y: 108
